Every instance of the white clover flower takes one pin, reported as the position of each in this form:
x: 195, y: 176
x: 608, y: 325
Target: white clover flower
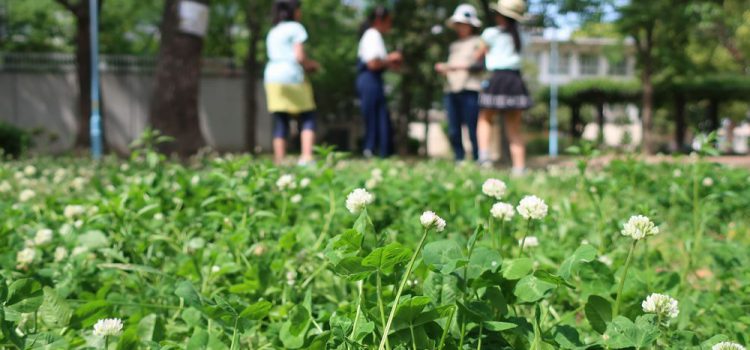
x: 215, y: 268
x: 392, y: 172
x: 66, y: 229
x: 158, y: 217
x: 72, y: 211
x: 532, y: 207
x: 25, y: 256
x: 304, y: 182
x: 494, y: 188
x: 108, y: 327
x: 286, y: 181
x: 707, y: 182
x: 531, y: 241
x: 727, y: 345
x: 29, y: 170
x: 5, y: 187
x: 296, y: 198
x: 26, y: 195
x: 78, y: 224
x: 291, y: 277
x: 79, y: 250
x: 661, y: 304
x: 195, y: 180
x: 502, y: 211
x: 606, y: 260
x: 371, y: 183
x: 60, y: 254
x: 358, y: 200
x: 43, y: 236
x: 677, y: 173
x: 638, y: 227
x: 377, y: 174
x: 429, y: 219
x: 78, y: 183
x: 259, y: 250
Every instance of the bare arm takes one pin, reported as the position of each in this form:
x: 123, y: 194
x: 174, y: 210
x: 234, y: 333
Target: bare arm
x: 306, y: 63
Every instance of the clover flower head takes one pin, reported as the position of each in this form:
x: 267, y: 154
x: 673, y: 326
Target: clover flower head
x: 108, y: 327
x: 638, y: 227
x: 43, y: 236
x: 707, y: 182
x: 5, y: 187
x: 429, y: 219
x: 304, y: 182
x: 25, y: 256
x: 532, y: 207
x: 26, y: 195
x: 531, y: 241
x: 296, y: 198
x: 72, y: 211
x: 60, y: 253
x: 29, y: 170
x: 727, y: 345
x: 286, y: 181
x: 662, y: 305
x: 502, y: 211
x: 358, y: 200
x: 494, y: 188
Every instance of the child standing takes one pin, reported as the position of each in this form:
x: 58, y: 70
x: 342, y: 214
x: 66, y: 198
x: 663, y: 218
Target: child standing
x: 505, y: 91
x: 288, y: 92
x: 463, y: 79
x: 372, y: 61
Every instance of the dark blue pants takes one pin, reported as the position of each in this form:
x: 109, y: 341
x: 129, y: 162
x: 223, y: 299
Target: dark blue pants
x: 462, y: 108
x: 305, y: 120
x: 374, y: 109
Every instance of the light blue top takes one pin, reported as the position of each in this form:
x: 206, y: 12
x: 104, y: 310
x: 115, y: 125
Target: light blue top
x: 501, y: 52
x: 282, y: 67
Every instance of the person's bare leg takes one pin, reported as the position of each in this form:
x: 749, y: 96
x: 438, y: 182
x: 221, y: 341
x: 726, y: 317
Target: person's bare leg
x: 484, y: 132
x: 515, y: 138
x: 279, y: 150
x: 308, y: 141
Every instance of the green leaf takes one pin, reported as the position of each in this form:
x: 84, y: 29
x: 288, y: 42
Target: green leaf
x: 531, y: 289
x: 93, y: 240
x: 598, y: 312
x: 410, y: 307
x: 151, y: 328
x: 187, y: 292
x: 443, y: 256
x: 596, y: 278
x: 476, y: 311
x: 483, y: 259
x: 567, y: 337
x: 385, y: 258
x: 54, y: 311
x: 363, y: 225
x: 517, y: 268
x: 442, y: 289
x: 623, y: 333
x: 24, y: 296
x: 3, y: 289
x: 585, y: 253
x: 192, y: 317
x: 199, y: 340
x: 548, y: 277
x: 257, y: 311
x: 496, y: 326
x: 352, y: 268
x: 294, y: 330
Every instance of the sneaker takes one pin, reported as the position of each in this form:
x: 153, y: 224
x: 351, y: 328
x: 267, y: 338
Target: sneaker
x: 517, y: 172
x: 306, y: 163
x: 485, y: 163
x: 367, y: 153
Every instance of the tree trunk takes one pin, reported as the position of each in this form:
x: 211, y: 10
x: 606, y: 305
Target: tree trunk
x: 83, y: 69
x: 402, y: 118
x: 712, y: 114
x: 679, y: 115
x: 174, y: 103
x: 251, y: 76
x: 600, y: 121
x: 576, y: 127
x: 647, y: 108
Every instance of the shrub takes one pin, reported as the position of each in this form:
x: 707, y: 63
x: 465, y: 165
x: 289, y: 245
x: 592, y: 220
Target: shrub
x: 13, y: 140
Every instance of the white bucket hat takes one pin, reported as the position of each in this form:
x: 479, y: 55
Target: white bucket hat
x: 465, y: 13
x: 510, y: 8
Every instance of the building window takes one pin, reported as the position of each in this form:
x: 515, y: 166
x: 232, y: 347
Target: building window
x: 619, y: 67
x: 589, y: 64
x: 563, y: 64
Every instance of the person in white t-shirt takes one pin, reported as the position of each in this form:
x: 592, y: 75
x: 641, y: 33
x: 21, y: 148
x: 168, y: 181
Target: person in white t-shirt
x: 372, y: 60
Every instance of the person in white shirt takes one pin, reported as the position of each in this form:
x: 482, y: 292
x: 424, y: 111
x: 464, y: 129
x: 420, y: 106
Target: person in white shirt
x: 372, y: 60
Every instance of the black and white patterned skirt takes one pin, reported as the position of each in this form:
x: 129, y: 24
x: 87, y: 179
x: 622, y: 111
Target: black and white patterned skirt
x: 505, y: 90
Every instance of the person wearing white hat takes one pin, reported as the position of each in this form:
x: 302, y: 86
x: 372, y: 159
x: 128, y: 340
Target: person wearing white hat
x: 463, y: 79
x: 505, y: 91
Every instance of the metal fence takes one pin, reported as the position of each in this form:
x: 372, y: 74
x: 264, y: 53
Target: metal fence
x: 66, y: 62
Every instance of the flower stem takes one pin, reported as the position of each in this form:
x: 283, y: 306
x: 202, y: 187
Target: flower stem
x: 409, y: 267
x: 106, y: 343
x: 493, y: 235
x: 413, y: 340
x: 481, y: 329
x: 356, y: 315
x: 616, y: 310
x: 379, y: 290
x: 447, y: 328
x: 523, y: 241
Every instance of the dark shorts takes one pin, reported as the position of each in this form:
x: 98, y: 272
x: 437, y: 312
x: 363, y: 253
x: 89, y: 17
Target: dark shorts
x: 505, y: 90
x: 305, y: 121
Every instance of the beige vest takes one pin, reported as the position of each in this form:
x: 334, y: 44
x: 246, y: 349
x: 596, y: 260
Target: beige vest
x: 463, y: 52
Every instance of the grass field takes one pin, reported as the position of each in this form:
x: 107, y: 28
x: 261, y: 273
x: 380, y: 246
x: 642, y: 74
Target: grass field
x: 231, y: 253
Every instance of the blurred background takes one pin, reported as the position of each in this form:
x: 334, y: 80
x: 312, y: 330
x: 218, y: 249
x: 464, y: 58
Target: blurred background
x: 631, y: 75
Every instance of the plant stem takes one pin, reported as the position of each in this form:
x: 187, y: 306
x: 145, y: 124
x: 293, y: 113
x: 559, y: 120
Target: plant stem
x: 329, y: 219
x: 463, y: 332
x: 616, y: 310
x: 493, y: 235
x: 413, y: 341
x: 356, y: 315
x: 234, y: 333
x: 379, y: 290
x: 106, y: 343
x: 447, y: 328
x: 481, y: 329
x: 409, y: 267
x: 523, y: 241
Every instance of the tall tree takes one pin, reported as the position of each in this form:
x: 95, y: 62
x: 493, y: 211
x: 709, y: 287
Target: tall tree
x: 174, y: 104
x: 80, y: 9
x: 256, y: 12
x: 653, y: 24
